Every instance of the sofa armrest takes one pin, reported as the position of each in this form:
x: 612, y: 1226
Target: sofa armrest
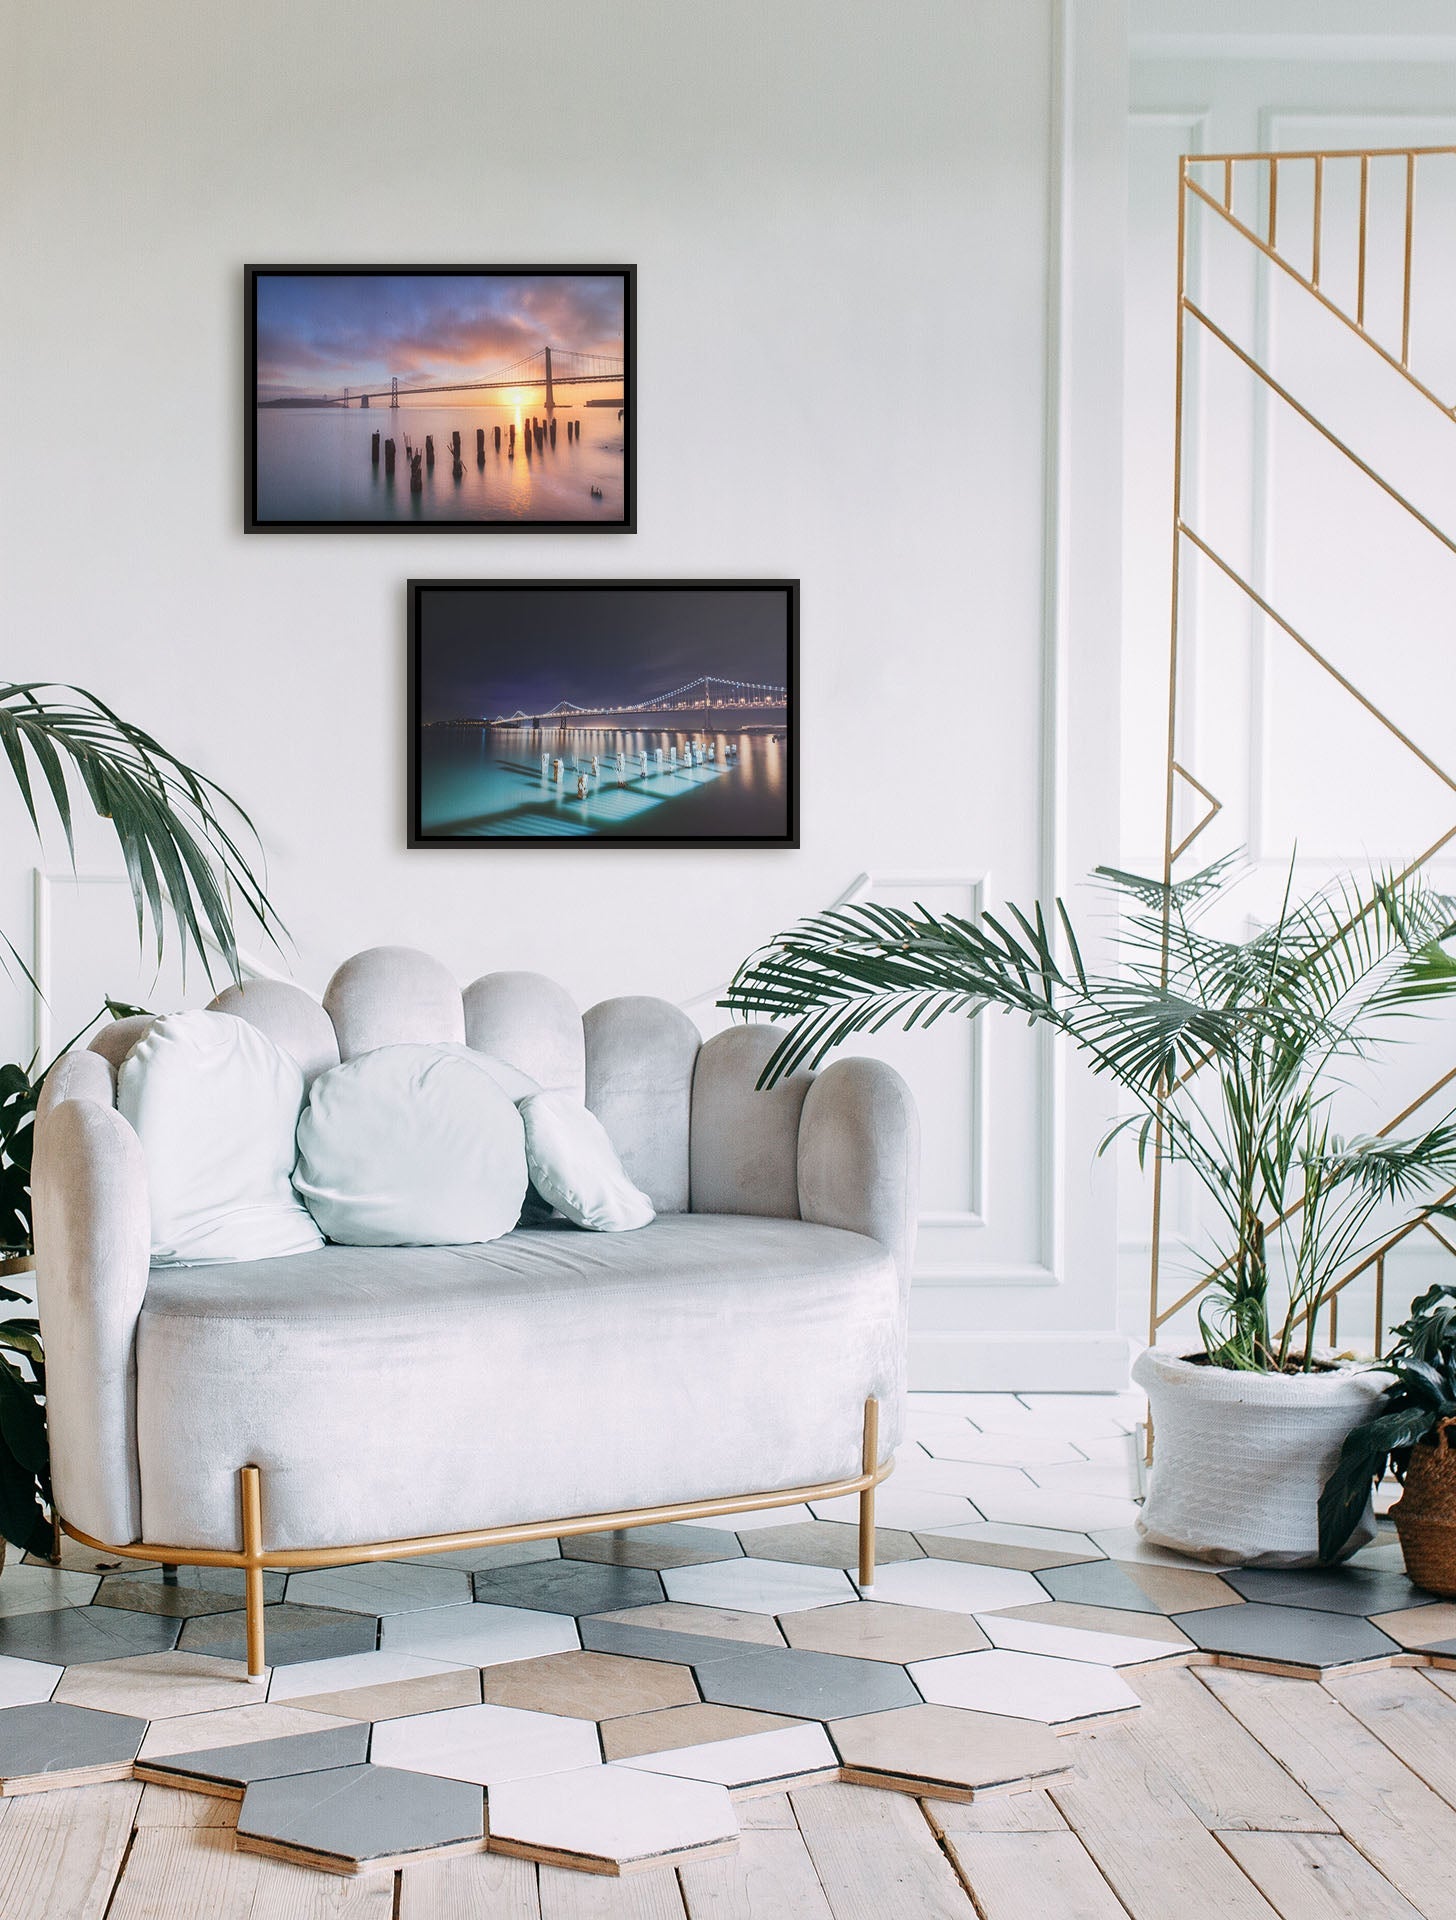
x: 92, y: 1245
x: 859, y: 1156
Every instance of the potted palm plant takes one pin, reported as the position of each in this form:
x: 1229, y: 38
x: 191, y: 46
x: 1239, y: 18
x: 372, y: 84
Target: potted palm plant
x: 186, y: 846
x: 1228, y: 1052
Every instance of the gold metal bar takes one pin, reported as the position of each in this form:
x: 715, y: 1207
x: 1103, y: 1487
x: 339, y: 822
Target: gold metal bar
x: 870, y: 1459
x: 1410, y: 217
x: 1311, y: 420
x: 1437, y: 1235
x: 1316, y: 153
x: 1319, y: 216
x: 367, y: 1552
x: 1228, y: 186
x: 1273, y: 198
x: 249, y: 1481
x: 1314, y: 653
x: 1335, y: 1319
x: 1170, y: 785
x: 1364, y: 239
x: 1215, y: 807
x: 1379, y: 1305
x: 1315, y: 294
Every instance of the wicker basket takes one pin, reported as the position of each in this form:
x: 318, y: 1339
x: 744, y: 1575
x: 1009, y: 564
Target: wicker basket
x: 1425, y: 1514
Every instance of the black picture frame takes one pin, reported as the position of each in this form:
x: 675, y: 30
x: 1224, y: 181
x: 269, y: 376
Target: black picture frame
x: 783, y: 733
x: 256, y: 521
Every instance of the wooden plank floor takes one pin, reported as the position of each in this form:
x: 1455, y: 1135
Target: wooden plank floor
x: 1232, y: 1794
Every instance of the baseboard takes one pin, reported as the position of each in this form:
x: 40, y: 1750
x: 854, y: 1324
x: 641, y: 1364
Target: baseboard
x: 1019, y: 1362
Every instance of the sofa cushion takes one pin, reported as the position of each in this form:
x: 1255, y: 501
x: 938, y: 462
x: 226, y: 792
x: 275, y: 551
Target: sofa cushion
x: 414, y: 1145
x: 575, y: 1167
x: 214, y: 1103
x: 389, y: 1393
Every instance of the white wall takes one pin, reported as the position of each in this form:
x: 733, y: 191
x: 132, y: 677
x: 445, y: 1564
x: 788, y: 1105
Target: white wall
x: 879, y: 257
x: 1296, y: 763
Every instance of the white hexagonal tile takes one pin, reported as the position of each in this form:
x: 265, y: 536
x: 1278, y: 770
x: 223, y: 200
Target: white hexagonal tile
x: 762, y: 1760
x: 1076, y: 1643
x: 1023, y: 1686
x: 391, y: 1587
x: 1032, y: 1506
x: 1035, y: 1449
x: 26, y: 1589
x: 24, y: 1683
x: 485, y: 1744
x: 1006, y: 1533
x: 610, y: 1818
x: 758, y: 1586
x: 903, y: 1507
x: 480, y: 1635
x: 957, y: 1586
x: 348, y: 1670
x: 1126, y: 1543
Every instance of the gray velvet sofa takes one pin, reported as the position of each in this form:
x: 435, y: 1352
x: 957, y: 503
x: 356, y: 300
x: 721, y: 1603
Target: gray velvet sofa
x: 366, y: 1403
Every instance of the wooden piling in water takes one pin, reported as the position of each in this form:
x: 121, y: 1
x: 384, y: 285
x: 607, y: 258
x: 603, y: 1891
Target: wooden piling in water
x: 430, y: 449
x: 417, y: 478
x: 553, y: 432
x: 374, y: 448
x: 455, y: 443
x: 480, y: 446
x: 389, y: 457
x: 497, y: 439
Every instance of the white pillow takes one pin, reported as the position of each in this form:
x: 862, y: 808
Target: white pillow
x: 575, y: 1166
x: 215, y: 1103
x: 412, y: 1146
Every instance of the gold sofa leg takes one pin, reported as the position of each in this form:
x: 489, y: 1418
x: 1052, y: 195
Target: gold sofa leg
x: 250, y: 1483
x: 871, y: 1459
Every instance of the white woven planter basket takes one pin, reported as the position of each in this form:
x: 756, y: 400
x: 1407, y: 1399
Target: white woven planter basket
x: 1239, y: 1459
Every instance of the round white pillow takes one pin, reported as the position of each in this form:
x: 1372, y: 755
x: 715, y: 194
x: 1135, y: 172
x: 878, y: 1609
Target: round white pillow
x: 575, y: 1166
x: 214, y: 1103
x: 411, y: 1146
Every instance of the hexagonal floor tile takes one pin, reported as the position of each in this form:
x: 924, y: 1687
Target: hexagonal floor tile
x: 759, y: 1586
x: 1308, y: 1639
x: 696, y: 1650
x: 957, y: 1586
x: 1035, y: 1449
x: 808, y: 1686
x: 231, y: 1727
x: 480, y: 1559
x: 37, y: 1589
x: 1426, y: 1626
x: 611, y: 1820
x: 676, y: 1545
x: 351, y: 1670
x: 589, y: 1686
x: 752, y: 1763
x: 486, y: 1744
x: 1024, y: 1686
x: 390, y: 1587
x: 1101, y: 1635
x: 47, y: 1745
x: 681, y: 1616
x: 829, y: 1543
x: 211, y: 1583
x: 881, y: 1630
x: 158, y: 1686
x: 25, y: 1683
x: 748, y: 1522
x: 948, y: 1752
x: 393, y: 1699
x: 479, y: 1634
x: 904, y: 1508
x: 359, y: 1816
x: 1354, y: 1590
x: 173, y: 1603
x: 1137, y: 1586
x: 66, y: 1636
x: 999, y: 1543
x: 228, y: 1771
x: 690, y: 1726
x: 1043, y: 1507
x: 568, y: 1586
x: 291, y: 1634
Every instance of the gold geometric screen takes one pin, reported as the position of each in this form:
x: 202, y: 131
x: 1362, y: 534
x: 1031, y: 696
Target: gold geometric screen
x: 1343, y: 229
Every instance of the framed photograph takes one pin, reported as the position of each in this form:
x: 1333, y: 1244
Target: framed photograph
x: 628, y: 713
x: 441, y: 399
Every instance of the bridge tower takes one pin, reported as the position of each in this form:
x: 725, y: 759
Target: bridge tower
x: 363, y: 399
x: 394, y: 390
x: 550, y: 394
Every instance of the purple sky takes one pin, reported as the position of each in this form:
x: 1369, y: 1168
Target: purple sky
x: 322, y: 332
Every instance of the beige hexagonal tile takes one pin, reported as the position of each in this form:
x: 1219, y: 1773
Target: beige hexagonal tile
x: 719, y: 1623
x: 393, y: 1699
x: 588, y: 1686
x: 1418, y: 1626
x: 695, y: 1726
x: 829, y: 1543
x: 159, y: 1686
x: 878, y: 1630
x: 948, y: 1752
x: 232, y: 1727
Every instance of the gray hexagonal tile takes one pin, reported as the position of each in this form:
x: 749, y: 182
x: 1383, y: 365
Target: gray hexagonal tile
x: 229, y: 1770
x: 291, y: 1634
x: 59, y: 1746
x: 568, y: 1586
x: 1286, y: 1636
x: 810, y: 1686
x: 675, y: 1545
x: 71, y: 1635
x: 392, y: 1586
x: 350, y: 1817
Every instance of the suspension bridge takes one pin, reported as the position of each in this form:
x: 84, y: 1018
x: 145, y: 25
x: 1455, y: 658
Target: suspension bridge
x: 548, y: 367
x: 708, y: 692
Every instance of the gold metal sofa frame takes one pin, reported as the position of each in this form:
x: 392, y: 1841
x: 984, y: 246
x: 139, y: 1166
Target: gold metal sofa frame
x: 255, y: 1558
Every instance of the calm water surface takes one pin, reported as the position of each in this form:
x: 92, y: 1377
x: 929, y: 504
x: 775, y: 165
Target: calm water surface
x: 314, y: 463
x: 490, y: 784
